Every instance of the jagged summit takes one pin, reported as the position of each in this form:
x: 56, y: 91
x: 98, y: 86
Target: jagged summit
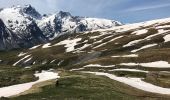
x: 63, y: 14
x: 28, y: 9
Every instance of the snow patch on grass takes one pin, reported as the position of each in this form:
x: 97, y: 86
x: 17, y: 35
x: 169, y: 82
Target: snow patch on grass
x: 162, y: 27
x: 133, y: 43
x: 21, y: 54
x: 28, y: 60
x: 79, y: 50
x: 136, y: 83
x: 69, y: 44
x: 144, y: 47
x: 140, y: 32
x: 157, y: 64
x: 47, y: 45
x: 17, y: 89
x: 167, y: 38
x: 77, y: 69
x: 116, y: 38
x: 21, y: 60
x: 131, y: 55
x: 102, y: 44
x: 97, y: 65
x: 131, y: 70
x: 161, y: 31
x: 34, y: 47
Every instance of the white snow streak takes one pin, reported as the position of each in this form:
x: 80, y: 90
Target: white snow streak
x: 131, y: 55
x: 97, y: 65
x: 156, y: 64
x: 34, y: 47
x: 133, y: 43
x: 21, y: 60
x: 131, y: 70
x: 144, y: 47
x: 136, y: 83
x: 21, y: 54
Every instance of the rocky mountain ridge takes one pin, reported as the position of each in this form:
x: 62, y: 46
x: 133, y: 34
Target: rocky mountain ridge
x: 31, y: 28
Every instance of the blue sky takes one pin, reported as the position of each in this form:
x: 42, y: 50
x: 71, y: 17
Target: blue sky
x: 126, y: 11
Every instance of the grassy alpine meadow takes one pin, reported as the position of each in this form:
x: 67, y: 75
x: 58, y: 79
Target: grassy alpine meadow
x: 10, y: 75
x: 79, y: 86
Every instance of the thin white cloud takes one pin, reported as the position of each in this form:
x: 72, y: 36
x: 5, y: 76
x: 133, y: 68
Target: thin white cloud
x: 147, y: 7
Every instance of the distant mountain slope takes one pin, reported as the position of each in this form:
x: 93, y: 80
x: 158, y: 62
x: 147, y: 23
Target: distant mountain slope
x: 31, y: 28
x: 7, y: 40
x: 128, y: 39
x: 22, y: 26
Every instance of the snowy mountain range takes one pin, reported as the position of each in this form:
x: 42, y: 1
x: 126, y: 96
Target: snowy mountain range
x: 134, y: 57
x: 25, y: 27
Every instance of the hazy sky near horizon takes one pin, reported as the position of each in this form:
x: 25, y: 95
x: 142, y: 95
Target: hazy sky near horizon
x: 126, y: 11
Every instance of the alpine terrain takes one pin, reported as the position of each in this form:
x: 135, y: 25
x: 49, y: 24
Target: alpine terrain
x: 25, y: 27
x: 65, y: 57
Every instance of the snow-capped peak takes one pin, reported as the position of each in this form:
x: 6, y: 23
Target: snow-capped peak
x: 63, y: 22
x: 14, y: 18
x: 17, y: 18
x: 97, y: 23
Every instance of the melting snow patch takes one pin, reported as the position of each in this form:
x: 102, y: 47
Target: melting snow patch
x: 47, y: 45
x: 161, y: 31
x: 102, y: 44
x: 53, y: 61
x: 144, y: 47
x: 78, y: 50
x: 77, y: 69
x: 163, y: 27
x: 131, y: 55
x: 34, y: 47
x: 28, y: 67
x: 157, y: 64
x: 129, y: 64
x: 97, y: 65
x: 21, y: 60
x: 28, y: 60
x: 44, y: 62
x: 167, y: 38
x: 133, y: 43
x: 161, y: 64
x: 17, y: 89
x: 116, y: 38
x: 136, y: 83
x: 140, y: 32
x: 97, y: 36
x: 60, y: 62
x: 21, y: 54
x: 69, y: 44
x: 131, y: 70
